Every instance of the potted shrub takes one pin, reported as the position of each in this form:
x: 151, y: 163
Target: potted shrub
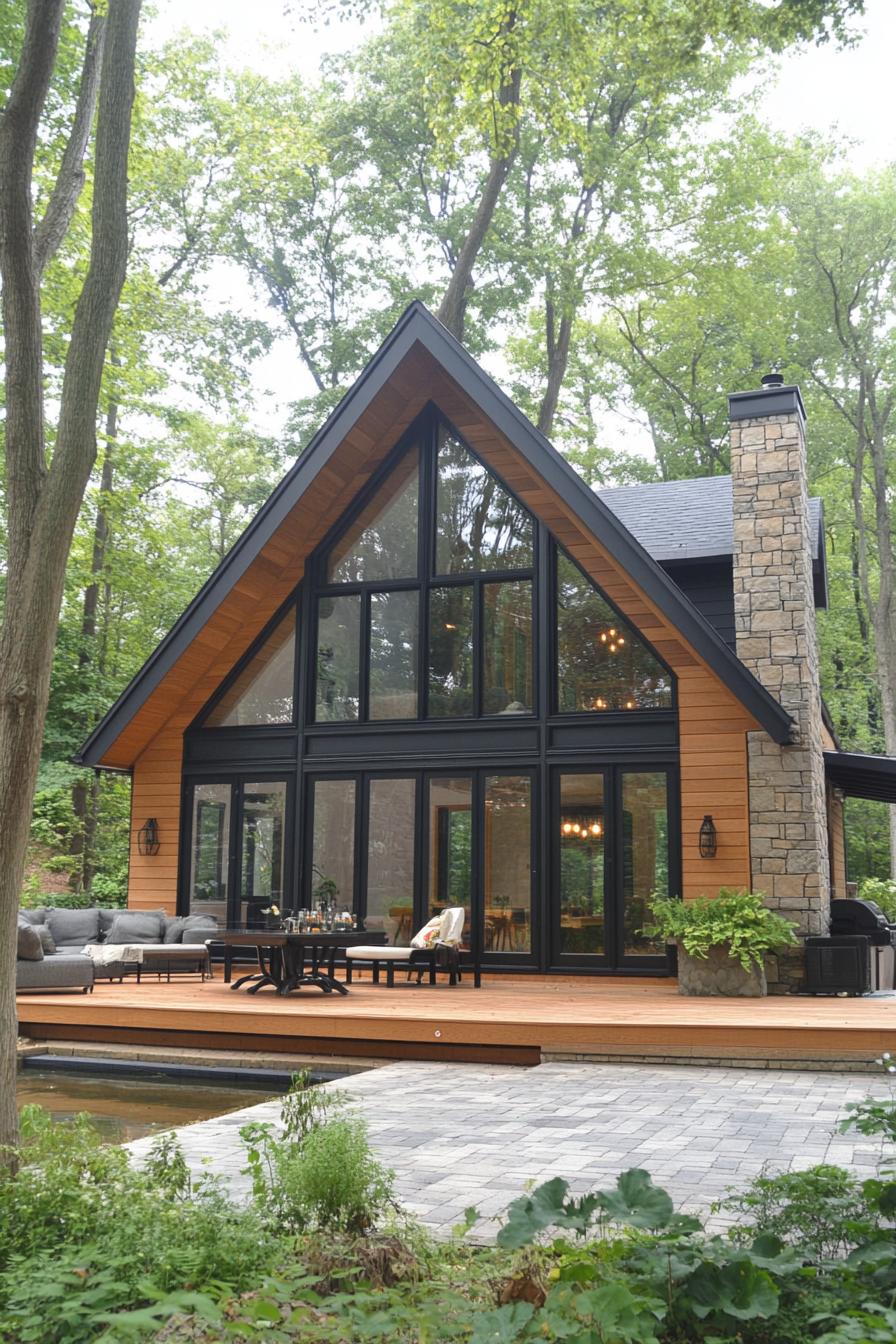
x: 722, y: 941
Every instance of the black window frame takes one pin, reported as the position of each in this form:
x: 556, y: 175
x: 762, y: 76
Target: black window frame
x: 424, y: 431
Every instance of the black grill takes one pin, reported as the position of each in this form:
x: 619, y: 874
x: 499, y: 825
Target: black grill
x: 863, y: 917
x: 838, y: 965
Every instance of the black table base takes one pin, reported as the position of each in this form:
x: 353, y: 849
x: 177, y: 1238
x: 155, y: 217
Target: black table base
x: 288, y: 961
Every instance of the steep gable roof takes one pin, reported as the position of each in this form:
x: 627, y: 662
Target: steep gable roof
x: 418, y: 328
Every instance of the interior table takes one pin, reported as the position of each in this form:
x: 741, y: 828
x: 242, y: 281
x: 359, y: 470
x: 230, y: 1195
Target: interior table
x: 287, y: 961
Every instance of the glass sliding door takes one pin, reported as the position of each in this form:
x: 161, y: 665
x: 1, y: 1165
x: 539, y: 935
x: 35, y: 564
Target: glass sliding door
x: 333, y: 841
x: 239, y: 849
x: 645, y: 857
x: 450, y: 845
x: 581, y: 871
x: 208, y: 884
x: 507, y: 834
x: 391, y: 858
x: 262, y: 850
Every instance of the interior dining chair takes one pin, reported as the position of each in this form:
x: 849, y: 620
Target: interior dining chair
x: 433, y: 948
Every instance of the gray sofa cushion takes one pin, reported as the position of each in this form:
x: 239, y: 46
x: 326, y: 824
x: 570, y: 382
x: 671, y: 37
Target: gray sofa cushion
x: 136, y: 926
x: 198, y: 928
x: 28, y: 945
x: 36, y: 916
x: 107, y: 917
x: 173, y: 926
x: 47, y: 941
x: 74, y: 926
x: 59, y: 972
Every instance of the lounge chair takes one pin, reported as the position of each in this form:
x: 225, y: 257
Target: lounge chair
x: 436, y: 947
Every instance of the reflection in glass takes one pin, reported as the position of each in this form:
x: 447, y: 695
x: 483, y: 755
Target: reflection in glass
x: 338, y: 656
x: 450, y: 836
x: 209, y: 868
x: 393, y: 655
x: 450, y: 652
x: 263, y: 835
x: 333, y: 844
x: 479, y: 526
x: 391, y: 837
x: 645, y: 856
x: 602, y: 664
x: 508, y: 863
x: 507, y: 661
x: 582, y: 835
x: 263, y: 692
x: 381, y: 543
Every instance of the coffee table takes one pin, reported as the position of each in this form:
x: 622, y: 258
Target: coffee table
x: 287, y: 961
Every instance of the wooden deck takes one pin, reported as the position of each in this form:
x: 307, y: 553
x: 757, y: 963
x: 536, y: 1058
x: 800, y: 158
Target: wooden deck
x: 509, y: 1020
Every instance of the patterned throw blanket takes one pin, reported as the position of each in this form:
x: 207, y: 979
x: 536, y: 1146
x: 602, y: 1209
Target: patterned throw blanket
x: 110, y: 954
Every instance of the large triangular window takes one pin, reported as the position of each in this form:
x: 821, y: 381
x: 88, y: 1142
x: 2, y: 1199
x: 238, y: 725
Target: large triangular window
x: 381, y: 542
x: 263, y: 692
x: 602, y: 663
x: 480, y: 527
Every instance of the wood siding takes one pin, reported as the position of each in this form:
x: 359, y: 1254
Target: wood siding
x: 713, y: 723
x: 837, y: 841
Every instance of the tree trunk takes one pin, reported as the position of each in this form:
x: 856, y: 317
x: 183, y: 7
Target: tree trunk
x: 84, y: 792
x: 452, y: 309
x: 43, y: 502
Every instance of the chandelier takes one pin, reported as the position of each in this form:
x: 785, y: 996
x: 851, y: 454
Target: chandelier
x: 581, y: 826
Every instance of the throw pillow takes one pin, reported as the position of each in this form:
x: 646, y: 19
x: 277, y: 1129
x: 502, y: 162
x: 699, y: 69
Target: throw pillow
x: 47, y: 941
x: 173, y: 926
x: 36, y: 916
x: 28, y: 946
x: 74, y: 926
x: 136, y: 926
x: 428, y: 934
x: 198, y: 928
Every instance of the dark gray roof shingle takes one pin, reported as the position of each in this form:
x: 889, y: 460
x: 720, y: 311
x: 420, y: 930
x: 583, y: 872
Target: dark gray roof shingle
x: 685, y: 520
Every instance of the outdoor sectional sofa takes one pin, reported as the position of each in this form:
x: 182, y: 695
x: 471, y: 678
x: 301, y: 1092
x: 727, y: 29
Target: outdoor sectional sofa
x: 51, y: 942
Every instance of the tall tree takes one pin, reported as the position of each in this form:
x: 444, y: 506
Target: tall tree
x: 844, y: 230
x: 45, y: 489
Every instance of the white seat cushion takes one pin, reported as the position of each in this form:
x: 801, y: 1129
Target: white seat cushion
x: 379, y: 953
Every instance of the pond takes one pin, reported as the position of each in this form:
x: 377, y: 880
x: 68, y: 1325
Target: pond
x: 125, y: 1107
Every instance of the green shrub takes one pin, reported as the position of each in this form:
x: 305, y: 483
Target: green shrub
x: 881, y: 890
x: 738, y: 920
x: 822, y: 1210
x: 332, y: 1182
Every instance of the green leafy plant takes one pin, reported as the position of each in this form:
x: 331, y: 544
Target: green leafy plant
x: 883, y: 891
x: 737, y: 920
x: 822, y: 1211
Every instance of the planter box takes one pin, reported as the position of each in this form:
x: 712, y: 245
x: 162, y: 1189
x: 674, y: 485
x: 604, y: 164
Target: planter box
x: 718, y: 973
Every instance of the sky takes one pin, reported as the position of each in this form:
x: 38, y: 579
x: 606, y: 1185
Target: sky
x: 849, y: 93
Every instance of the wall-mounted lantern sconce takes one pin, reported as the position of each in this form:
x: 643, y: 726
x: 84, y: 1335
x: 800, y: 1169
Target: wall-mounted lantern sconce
x: 707, y: 838
x: 148, y: 837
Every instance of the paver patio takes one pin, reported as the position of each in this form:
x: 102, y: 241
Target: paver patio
x: 462, y: 1134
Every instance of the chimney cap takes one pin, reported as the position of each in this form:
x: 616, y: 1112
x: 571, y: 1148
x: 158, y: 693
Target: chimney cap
x: 775, y: 398
x: 773, y: 379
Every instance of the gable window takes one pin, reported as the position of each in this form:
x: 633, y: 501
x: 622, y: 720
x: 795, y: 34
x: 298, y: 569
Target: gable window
x: 602, y: 664
x: 424, y: 601
x: 263, y: 692
x: 479, y: 526
x: 381, y: 543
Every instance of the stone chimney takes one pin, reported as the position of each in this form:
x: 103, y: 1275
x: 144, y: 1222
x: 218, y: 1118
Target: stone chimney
x: 774, y: 613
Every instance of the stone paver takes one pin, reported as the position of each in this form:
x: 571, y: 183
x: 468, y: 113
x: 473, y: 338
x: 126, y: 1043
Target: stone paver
x: 462, y: 1134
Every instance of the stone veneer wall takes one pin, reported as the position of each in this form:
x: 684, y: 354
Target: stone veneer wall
x: 775, y: 630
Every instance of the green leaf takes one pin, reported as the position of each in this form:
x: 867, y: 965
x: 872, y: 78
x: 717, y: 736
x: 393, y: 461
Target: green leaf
x: 637, y: 1201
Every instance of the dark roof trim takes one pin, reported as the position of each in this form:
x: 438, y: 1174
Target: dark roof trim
x: 762, y: 401
x: 418, y: 325
x: 862, y: 776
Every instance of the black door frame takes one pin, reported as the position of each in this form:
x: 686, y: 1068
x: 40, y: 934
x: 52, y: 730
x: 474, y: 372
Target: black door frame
x: 236, y: 782
x: 613, y: 959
